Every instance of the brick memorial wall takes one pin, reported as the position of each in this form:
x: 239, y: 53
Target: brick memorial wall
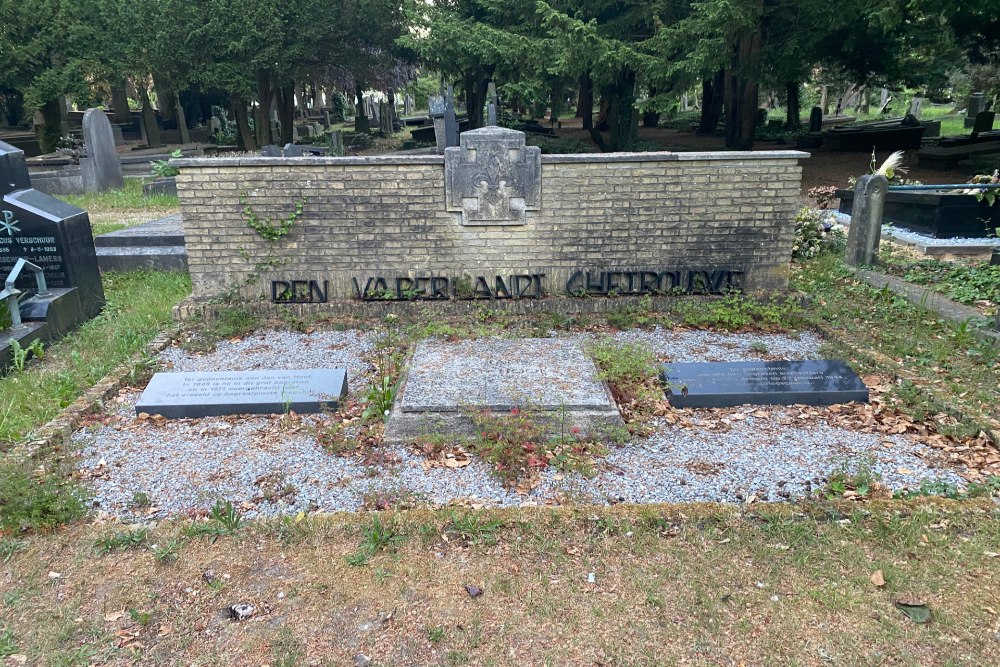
x: 499, y: 221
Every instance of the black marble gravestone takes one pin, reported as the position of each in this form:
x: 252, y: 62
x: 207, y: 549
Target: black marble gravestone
x: 191, y: 395
x: 47, y: 232
x: 730, y: 383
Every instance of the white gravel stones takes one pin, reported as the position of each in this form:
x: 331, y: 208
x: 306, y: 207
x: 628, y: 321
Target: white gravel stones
x: 721, y: 346
x: 282, y: 350
x: 268, y: 465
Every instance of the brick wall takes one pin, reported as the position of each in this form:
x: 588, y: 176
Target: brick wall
x: 386, y: 216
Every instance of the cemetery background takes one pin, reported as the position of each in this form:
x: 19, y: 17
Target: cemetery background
x: 933, y: 383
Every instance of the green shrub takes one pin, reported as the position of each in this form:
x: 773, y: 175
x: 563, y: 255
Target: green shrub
x: 815, y: 231
x: 36, y: 501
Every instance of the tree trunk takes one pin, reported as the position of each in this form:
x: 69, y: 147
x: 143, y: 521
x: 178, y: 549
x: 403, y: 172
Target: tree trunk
x: 651, y: 118
x: 51, y: 128
x: 119, y: 100
x: 286, y: 113
x: 622, y: 116
x: 585, y: 106
x: 164, y: 101
x: 361, y: 125
x: 391, y: 96
x: 742, y: 95
x: 149, y: 119
x: 475, y: 96
x: 603, y: 111
x: 712, y: 96
x: 262, y: 113
x: 793, y: 113
x: 245, y: 136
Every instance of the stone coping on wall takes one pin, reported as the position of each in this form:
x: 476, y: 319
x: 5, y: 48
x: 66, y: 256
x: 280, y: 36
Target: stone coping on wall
x: 574, y: 158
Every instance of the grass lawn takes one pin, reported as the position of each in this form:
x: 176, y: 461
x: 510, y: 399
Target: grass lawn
x: 118, y: 209
x: 138, y: 309
x: 810, y: 584
x: 944, y: 356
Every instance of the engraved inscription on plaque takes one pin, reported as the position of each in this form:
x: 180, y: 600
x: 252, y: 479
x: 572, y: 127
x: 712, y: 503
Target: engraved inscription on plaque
x: 189, y: 395
x: 493, y: 177
x: 725, y: 384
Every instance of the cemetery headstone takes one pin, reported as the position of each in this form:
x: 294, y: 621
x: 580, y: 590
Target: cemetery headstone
x: 326, y: 119
x: 270, y: 150
x: 436, y: 108
x: 731, y: 383
x: 181, y: 121
x: 291, y: 150
x: 193, y: 395
x: 975, y: 104
x: 337, y: 142
x: 385, y: 119
x: 117, y: 131
x: 101, y: 169
x: 866, y: 220
x: 816, y: 119
x: 984, y: 122
x: 47, y: 232
x: 916, y: 106
x: 451, y: 130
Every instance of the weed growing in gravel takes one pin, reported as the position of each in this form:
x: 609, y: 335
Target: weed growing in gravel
x: 434, y: 633
x: 735, y: 312
x: 631, y: 370
x: 987, y: 489
x: 398, y: 498
x: 389, y: 352
x: 228, y: 322
x: 633, y: 316
x: 121, y: 540
x: 142, y: 618
x: 168, y: 552
x: 9, y: 547
x: 516, y: 445
x: 223, y: 520
x: 375, y: 537
x: 140, y: 501
x: 36, y: 500
x: 861, y: 482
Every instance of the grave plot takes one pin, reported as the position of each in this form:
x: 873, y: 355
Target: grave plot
x: 278, y: 464
x: 448, y: 383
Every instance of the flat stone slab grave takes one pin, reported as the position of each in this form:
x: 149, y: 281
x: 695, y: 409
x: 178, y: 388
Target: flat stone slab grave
x: 448, y: 381
x: 192, y: 395
x: 726, y: 384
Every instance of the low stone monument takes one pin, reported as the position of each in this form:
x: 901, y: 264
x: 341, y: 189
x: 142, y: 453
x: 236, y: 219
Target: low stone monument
x: 447, y: 384
x: 101, y: 169
x: 976, y: 103
x: 193, y: 395
x: 731, y: 383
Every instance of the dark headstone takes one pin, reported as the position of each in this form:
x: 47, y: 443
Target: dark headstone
x: 976, y: 103
x: 730, y: 383
x: 995, y: 259
x: 50, y: 233
x: 192, y: 395
x: 984, y: 122
x: 291, y: 150
x: 909, y: 120
x: 270, y: 150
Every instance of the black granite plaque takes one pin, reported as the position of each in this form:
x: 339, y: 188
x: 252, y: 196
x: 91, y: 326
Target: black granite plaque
x: 728, y: 383
x: 48, y: 232
x: 190, y: 395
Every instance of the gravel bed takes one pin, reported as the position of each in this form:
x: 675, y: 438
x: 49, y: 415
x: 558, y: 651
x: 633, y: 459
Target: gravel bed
x: 282, y: 350
x: 269, y: 465
x: 501, y: 372
x: 909, y: 236
x: 764, y: 457
x: 719, y: 346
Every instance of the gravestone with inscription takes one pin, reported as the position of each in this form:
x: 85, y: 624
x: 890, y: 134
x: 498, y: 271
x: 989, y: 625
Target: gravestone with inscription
x: 48, y: 232
x: 730, y: 383
x: 192, y: 395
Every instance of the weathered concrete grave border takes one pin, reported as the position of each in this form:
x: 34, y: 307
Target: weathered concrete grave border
x: 445, y: 382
